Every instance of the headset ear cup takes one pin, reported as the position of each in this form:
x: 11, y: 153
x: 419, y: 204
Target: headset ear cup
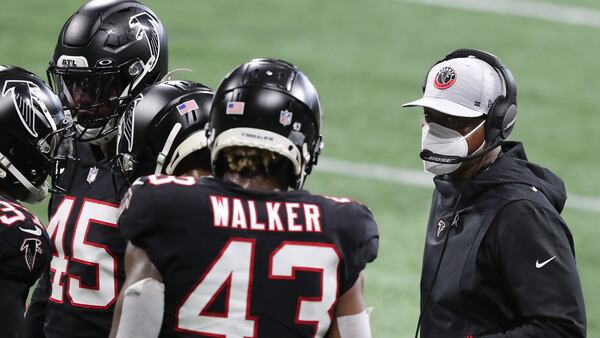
x: 508, y: 122
x: 493, y: 122
x: 500, y: 120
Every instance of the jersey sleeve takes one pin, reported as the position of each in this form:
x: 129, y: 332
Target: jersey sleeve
x: 36, y: 311
x: 362, y: 243
x: 137, y: 213
x: 534, y: 250
x: 25, y: 250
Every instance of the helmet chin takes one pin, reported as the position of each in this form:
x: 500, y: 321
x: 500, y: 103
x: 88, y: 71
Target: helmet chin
x: 97, y: 136
x: 36, y: 195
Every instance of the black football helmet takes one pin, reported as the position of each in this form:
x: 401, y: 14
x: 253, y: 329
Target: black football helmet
x: 106, y: 54
x: 268, y: 104
x: 160, y: 127
x: 32, y: 128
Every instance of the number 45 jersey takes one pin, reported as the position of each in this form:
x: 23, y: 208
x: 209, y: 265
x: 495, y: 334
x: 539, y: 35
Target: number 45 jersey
x: 246, y: 263
x: 76, y: 296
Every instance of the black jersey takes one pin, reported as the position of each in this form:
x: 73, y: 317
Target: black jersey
x: 24, y: 254
x: 87, y: 268
x: 245, y: 263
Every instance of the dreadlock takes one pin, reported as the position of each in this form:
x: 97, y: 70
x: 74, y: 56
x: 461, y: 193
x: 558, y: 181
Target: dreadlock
x: 249, y: 162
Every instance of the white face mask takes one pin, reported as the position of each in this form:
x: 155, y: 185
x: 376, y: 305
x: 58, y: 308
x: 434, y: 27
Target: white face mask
x: 445, y: 141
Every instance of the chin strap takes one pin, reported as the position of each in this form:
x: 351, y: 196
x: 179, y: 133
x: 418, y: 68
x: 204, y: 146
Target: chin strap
x: 196, y: 141
x: 162, y: 156
x: 96, y: 136
x: 35, y: 194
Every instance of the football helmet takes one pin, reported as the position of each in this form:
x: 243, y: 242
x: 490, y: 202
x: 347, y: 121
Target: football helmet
x: 32, y: 128
x: 106, y: 54
x: 160, y: 127
x: 268, y: 104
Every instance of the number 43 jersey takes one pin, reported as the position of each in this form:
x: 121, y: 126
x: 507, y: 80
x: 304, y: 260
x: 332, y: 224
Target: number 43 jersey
x: 246, y: 263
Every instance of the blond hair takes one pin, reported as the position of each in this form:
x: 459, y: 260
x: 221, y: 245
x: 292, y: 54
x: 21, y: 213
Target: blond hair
x: 252, y: 161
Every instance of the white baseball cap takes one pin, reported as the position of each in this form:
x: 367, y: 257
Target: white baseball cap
x: 465, y: 87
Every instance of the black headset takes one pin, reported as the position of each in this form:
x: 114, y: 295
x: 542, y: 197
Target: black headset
x: 502, y: 115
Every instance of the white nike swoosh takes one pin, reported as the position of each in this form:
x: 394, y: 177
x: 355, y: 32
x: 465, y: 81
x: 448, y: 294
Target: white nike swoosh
x: 36, y: 232
x: 539, y: 265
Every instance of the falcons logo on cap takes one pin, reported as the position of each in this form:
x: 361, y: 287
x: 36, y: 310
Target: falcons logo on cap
x: 28, y: 104
x: 31, y: 247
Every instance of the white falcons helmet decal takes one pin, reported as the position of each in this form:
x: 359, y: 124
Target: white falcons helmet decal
x: 28, y: 104
x: 126, y: 125
x: 31, y: 247
x: 147, y: 27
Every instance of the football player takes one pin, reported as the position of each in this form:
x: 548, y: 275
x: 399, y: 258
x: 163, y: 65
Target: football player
x: 30, y: 122
x: 239, y: 255
x: 163, y: 131
x: 106, y: 54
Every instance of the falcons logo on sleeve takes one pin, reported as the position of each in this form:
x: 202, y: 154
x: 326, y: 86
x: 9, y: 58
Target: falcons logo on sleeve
x: 31, y: 247
x: 29, y: 105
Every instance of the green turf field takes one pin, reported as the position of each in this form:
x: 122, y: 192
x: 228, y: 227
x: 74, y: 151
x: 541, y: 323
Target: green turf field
x: 366, y: 58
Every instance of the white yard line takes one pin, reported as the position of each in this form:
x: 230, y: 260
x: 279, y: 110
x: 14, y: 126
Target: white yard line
x: 573, y: 15
x: 420, y: 179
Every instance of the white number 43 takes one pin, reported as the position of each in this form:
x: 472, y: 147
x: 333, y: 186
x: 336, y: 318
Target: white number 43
x: 233, y: 268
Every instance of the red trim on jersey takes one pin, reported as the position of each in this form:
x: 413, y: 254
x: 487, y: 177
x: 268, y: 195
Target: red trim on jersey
x: 275, y: 206
x: 110, y: 204
x: 222, y: 202
x: 249, y: 291
x: 60, y: 282
x: 253, y: 211
x: 206, y: 271
x: 10, y: 207
x: 55, y: 252
x: 320, y: 271
x: 226, y: 286
x: 316, y: 216
x: 243, y: 224
x: 96, y: 266
x: 291, y: 211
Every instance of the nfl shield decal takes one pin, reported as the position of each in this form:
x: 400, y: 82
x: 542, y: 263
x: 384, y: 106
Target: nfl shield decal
x: 285, y: 118
x: 91, y: 177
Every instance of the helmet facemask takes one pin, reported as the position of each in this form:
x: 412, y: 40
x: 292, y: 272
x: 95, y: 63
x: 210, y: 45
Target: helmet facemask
x: 106, y: 54
x: 28, y: 164
x: 95, y: 97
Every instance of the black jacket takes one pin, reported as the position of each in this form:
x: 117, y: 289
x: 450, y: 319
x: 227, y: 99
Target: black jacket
x: 508, y: 268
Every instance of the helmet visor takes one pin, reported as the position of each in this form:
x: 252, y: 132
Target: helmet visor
x: 91, y: 95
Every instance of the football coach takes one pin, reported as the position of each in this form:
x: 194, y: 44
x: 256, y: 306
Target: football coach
x: 499, y: 260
